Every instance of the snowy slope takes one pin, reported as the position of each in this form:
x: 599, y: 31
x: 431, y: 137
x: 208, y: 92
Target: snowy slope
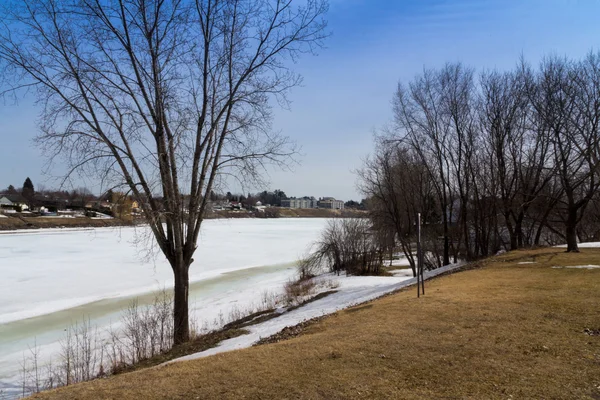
x: 352, y: 291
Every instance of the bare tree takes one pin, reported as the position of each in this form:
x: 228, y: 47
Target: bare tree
x: 346, y: 244
x: 566, y: 95
x: 517, y: 147
x: 418, y: 116
x: 398, y: 187
x: 163, y: 97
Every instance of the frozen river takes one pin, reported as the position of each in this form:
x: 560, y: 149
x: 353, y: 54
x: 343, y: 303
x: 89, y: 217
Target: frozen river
x: 50, y: 279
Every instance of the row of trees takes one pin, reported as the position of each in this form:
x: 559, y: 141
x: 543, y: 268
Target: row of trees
x: 77, y: 197
x: 499, y: 160
x: 27, y: 191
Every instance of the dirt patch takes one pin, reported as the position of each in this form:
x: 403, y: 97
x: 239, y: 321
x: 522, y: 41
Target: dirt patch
x: 314, y: 298
x: 289, y: 332
x: 252, y: 319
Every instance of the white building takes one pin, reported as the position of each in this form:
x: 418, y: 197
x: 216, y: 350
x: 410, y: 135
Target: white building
x: 331, y: 203
x: 304, y: 202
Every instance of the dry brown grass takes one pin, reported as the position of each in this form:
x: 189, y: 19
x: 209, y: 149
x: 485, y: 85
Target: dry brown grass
x: 506, y: 330
x: 320, y: 213
x: 12, y: 223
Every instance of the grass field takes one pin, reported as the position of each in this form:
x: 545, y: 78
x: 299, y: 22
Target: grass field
x: 514, y: 328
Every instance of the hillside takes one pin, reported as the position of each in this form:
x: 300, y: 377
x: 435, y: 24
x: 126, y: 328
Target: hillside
x: 520, y: 325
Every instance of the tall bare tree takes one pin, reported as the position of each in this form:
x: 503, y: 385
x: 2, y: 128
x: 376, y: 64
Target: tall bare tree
x: 398, y: 187
x: 164, y: 97
x: 419, y: 119
x: 566, y: 95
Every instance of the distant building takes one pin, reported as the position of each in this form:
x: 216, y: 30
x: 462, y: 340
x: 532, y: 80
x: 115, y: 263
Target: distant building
x: 304, y: 202
x: 13, y: 201
x: 331, y: 203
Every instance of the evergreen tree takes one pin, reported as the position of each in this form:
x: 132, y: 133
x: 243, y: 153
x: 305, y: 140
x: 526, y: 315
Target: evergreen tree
x: 28, y: 191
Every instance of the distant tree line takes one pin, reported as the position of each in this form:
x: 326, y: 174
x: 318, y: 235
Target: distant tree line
x: 265, y: 197
x: 492, y: 161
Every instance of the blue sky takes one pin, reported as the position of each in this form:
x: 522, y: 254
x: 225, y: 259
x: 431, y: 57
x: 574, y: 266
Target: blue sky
x: 348, y: 87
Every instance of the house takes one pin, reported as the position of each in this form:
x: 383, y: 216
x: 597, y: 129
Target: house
x: 13, y: 201
x: 259, y: 207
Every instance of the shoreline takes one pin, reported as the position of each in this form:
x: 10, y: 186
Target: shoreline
x: 19, y: 222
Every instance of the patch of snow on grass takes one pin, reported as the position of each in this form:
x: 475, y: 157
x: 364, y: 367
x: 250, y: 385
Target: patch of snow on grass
x: 402, y: 272
x: 581, y: 266
x: 527, y: 262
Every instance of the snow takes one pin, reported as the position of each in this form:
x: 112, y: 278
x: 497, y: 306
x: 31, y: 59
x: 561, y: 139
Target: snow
x: 584, y: 245
x: 580, y: 266
x: 352, y: 291
x: 527, y: 262
x: 101, y: 216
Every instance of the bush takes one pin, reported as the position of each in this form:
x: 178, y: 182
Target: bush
x: 296, y: 291
x: 348, y: 245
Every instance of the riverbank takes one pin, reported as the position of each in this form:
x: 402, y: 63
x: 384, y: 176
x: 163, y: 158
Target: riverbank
x: 12, y: 222
x: 520, y: 325
x: 279, y: 212
x: 19, y: 222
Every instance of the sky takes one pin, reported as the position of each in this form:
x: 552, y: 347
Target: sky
x: 347, y: 88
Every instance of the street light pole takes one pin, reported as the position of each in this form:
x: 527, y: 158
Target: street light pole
x: 419, y: 276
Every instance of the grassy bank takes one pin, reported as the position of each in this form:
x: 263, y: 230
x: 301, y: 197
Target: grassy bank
x: 278, y: 212
x: 17, y: 223
x: 514, y: 328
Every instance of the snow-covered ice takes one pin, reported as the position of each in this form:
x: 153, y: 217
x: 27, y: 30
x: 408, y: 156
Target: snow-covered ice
x: 51, y: 270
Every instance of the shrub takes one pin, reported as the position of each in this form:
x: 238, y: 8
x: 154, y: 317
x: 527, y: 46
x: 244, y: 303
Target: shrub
x: 296, y: 291
x: 348, y: 245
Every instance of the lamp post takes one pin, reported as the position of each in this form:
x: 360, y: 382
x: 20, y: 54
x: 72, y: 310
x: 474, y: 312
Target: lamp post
x: 420, y: 281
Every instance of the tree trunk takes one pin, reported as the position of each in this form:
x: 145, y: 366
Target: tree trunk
x: 572, y: 246
x: 446, y: 241
x: 511, y: 232
x: 181, y: 326
x: 519, y: 229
